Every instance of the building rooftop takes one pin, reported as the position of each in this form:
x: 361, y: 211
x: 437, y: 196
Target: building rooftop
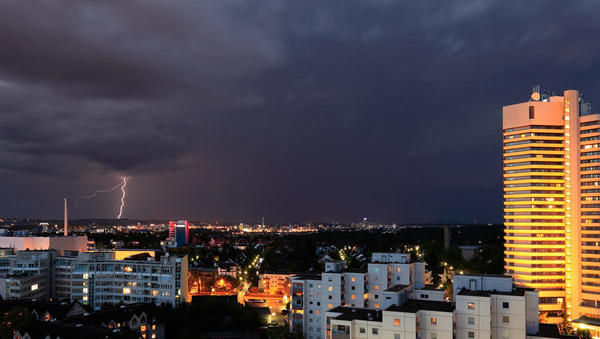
x: 352, y: 313
x: 487, y: 293
x: 412, y: 306
x: 430, y: 287
x: 397, y: 288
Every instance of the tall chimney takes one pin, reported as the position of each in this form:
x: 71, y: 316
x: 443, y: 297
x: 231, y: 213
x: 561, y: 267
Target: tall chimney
x: 66, y: 218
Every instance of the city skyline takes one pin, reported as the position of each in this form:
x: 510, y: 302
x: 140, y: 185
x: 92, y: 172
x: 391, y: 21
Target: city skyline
x: 291, y: 111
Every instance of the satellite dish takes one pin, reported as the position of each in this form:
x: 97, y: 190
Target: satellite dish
x: 535, y: 96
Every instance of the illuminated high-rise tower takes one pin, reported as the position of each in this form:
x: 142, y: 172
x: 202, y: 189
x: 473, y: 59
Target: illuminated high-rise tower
x: 551, y: 148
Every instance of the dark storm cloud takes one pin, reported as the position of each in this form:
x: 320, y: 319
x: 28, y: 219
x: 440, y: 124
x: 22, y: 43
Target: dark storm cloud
x: 298, y: 110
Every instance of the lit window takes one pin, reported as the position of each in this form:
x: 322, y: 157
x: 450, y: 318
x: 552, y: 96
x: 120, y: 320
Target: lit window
x: 471, y: 305
x: 143, y: 328
x: 127, y: 269
x: 396, y: 322
x: 330, y: 288
x: 376, y: 305
x: 398, y: 269
x: 505, y: 319
x: 433, y: 321
x: 85, y: 290
x: 353, y: 297
x: 471, y: 334
x: 85, y: 298
x: 85, y: 276
x: 154, y: 293
x: 318, y: 311
x: 127, y: 290
x: 433, y: 335
x: 376, y: 287
x: 153, y: 327
x: 330, y: 306
x: 34, y: 287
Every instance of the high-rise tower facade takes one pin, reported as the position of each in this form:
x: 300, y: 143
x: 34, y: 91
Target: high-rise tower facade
x: 551, y: 166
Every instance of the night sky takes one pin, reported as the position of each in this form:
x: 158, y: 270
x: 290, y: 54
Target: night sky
x: 297, y: 111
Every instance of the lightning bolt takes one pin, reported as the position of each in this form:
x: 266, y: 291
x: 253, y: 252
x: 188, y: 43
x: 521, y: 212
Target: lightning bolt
x: 93, y: 195
x: 123, y: 184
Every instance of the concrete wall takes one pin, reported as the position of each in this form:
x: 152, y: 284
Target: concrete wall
x: 480, y: 314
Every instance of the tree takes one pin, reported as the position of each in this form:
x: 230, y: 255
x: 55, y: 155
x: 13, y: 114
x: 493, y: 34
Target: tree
x: 16, y: 319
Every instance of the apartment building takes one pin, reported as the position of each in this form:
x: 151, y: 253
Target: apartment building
x: 93, y: 278
x: 491, y: 306
x: 97, y: 279
x: 313, y: 295
x: 411, y: 320
x: 484, y: 307
x: 551, y: 149
x: 25, y: 275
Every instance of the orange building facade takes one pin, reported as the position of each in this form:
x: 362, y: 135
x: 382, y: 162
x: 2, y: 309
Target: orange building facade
x: 551, y: 170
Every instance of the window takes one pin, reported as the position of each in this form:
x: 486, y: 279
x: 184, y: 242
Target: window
x: 376, y: 305
x: 353, y: 288
x: 330, y: 306
x: 471, y: 334
x: 505, y: 319
x: 424, y: 296
x: 433, y: 321
x: 471, y: 320
x: 353, y: 279
x: 398, y: 269
x: 361, y: 330
x: 376, y: 287
x: 318, y: 312
x: 396, y: 335
x: 330, y: 288
x: 433, y: 335
x: 375, y: 331
x: 396, y: 322
x: 505, y: 304
x: 531, y: 112
x: 471, y: 305
x: 505, y: 334
x: 330, y: 297
x: 353, y: 297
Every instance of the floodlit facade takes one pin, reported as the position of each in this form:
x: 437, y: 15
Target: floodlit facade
x: 180, y: 232
x: 551, y: 148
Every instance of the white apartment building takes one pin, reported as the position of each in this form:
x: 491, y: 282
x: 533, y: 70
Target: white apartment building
x: 492, y: 307
x: 411, y: 320
x: 25, y: 275
x: 93, y: 278
x: 316, y: 294
x: 97, y: 278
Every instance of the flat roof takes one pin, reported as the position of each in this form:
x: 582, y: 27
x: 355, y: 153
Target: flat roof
x: 396, y: 288
x: 412, y: 306
x: 353, y: 313
x: 487, y: 293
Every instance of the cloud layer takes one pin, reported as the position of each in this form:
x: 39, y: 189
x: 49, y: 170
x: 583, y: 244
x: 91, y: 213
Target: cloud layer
x: 292, y: 110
